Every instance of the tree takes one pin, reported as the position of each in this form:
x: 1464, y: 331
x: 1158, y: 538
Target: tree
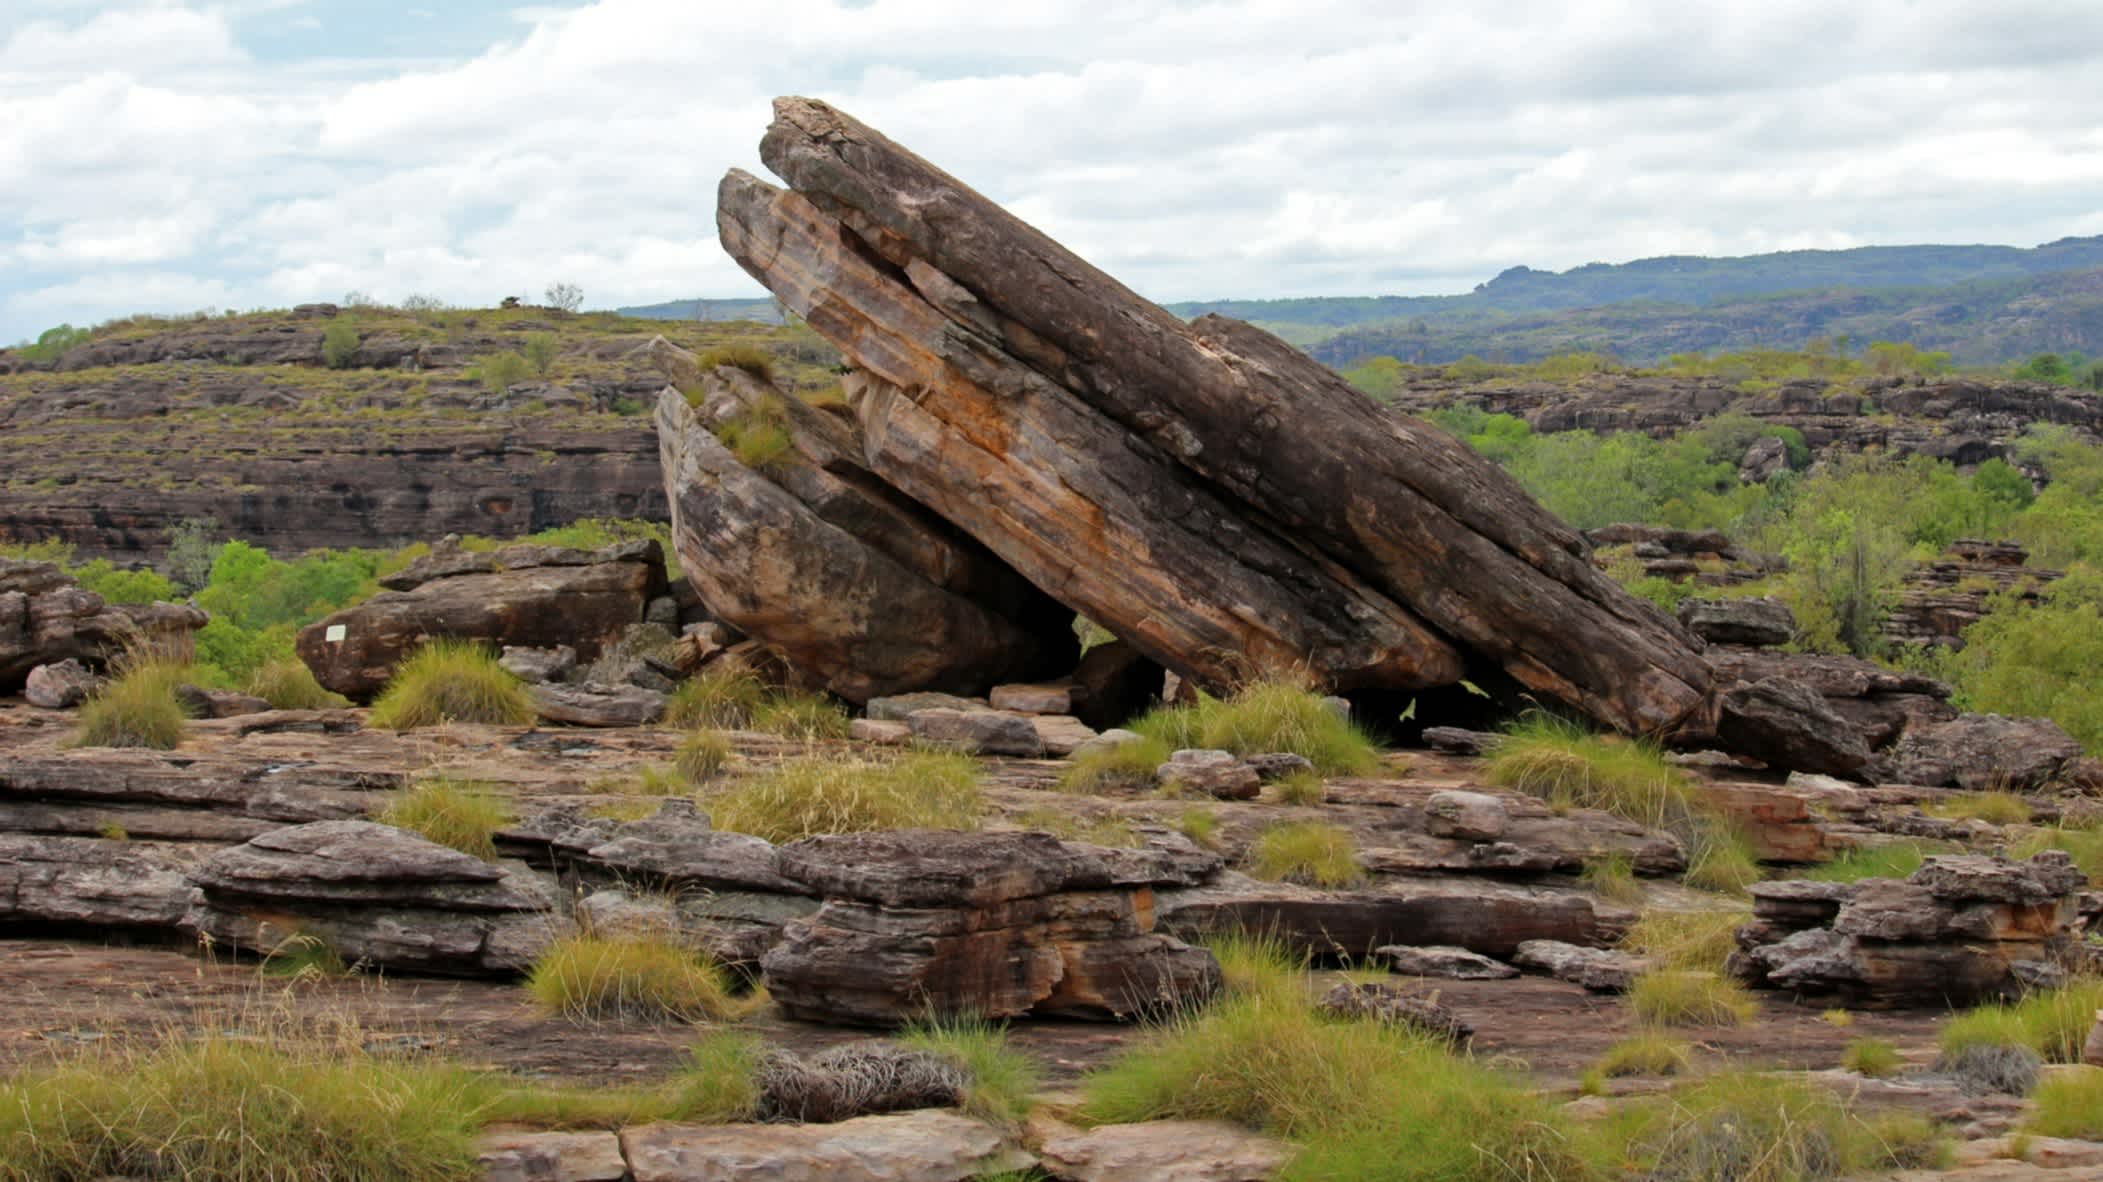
x: 566, y: 297
x: 540, y: 352
x: 192, y: 544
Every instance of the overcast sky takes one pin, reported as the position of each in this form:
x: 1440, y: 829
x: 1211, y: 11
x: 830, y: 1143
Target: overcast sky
x: 182, y: 154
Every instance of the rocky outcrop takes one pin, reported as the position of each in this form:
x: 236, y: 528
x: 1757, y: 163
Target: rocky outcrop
x: 997, y: 924
x: 60, y: 686
x: 46, y: 618
x: 1196, y: 489
x: 527, y: 596
x: 863, y: 591
x: 1960, y: 929
x: 373, y: 894
x: 1940, y: 599
x: 1788, y: 724
x: 1978, y: 752
x: 1877, y: 703
x: 1601, y: 970
x: 88, y: 882
x: 1755, y: 621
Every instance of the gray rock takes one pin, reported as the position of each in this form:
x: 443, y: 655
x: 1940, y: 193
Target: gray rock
x: 1601, y: 970
x: 1759, y: 622
x: 1108, y: 740
x: 552, y: 1157
x: 1443, y: 960
x: 1062, y: 734
x: 1980, y: 752
x: 1454, y: 740
x: 597, y: 705
x: 537, y: 665
x: 1388, y: 1003
x: 1787, y: 724
x: 1218, y: 774
x: 978, y: 731
x: 1277, y: 765
x: 663, y: 610
x: 1162, y: 1151
x: 61, y: 685
x: 877, y: 730
x: 900, y: 707
x: 199, y: 702
x: 1032, y: 699
x: 926, y: 1146
x: 1466, y: 816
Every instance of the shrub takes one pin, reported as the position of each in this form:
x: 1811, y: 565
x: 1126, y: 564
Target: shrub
x: 1744, y: 1127
x: 722, y: 696
x: 2052, y: 1022
x: 1309, y: 852
x: 628, y: 978
x: 1646, y: 1053
x: 1200, y: 825
x: 290, y: 685
x: 1264, y: 717
x: 1875, y: 1057
x: 1300, y: 788
x: 339, y: 344
x: 1000, y: 1081
x: 750, y: 358
x: 231, y: 1108
x: 2070, y: 1105
x: 808, y: 717
x: 1693, y: 941
x: 1127, y: 767
x: 138, y: 708
x: 758, y: 437
x: 540, y: 351
x: 117, y: 585
x: 1360, y: 1101
x: 809, y: 796
x: 501, y: 371
x: 1673, y: 997
x: 458, y: 814
x: 2084, y: 845
x: 701, y: 756
x: 451, y: 681
x: 1259, y: 964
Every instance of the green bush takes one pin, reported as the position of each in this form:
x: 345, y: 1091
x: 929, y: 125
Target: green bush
x: 1002, y: 1081
x: 137, y: 708
x: 540, y: 351
x: 750, y: 358
x: 811, y: 795
x: 339, y: 344
x: 501, y: 371
x: 1746, y: 1127
x: 722, y: 696
x: 117, y: 585
x: 449, y: 681
x: 1645, y: 1053
x: 1309, y: 852
x: 2038, y: 660
x: 629, y: 978
x: 1874, y: 1057
x: 460, y: 814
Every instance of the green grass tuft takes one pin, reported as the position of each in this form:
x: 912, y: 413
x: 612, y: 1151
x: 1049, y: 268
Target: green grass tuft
x: 1612, y: 877
x: 1673, y: 997
x: 1200, y: 825
x: 1874, y: 1057
x: 723, y: 696
x: 1127, y: 767
x: 628, y: 978
x: 2069, y: 1104
x: 451, y: 681
x: 758, y: 437
x: 1745, y: 1127
x: 2084, y: 845
x: 1002, y: 1080
x: 701, y: 756
x: 460, y: 814
x: 290, y: 685
x: 1693, y: 941
x: 2052, y: 1022
x: 1263, y: 717
x: 808, y: 717
x: 750, y: 358
x: 138, y: 708
x: 811, y: 795
x: 1995, y: 808
x: 1891, y: 860
x: 1300, y: 788
x: 1310, y: 852
x: 1260, y: 964
x: 1646, y: 1053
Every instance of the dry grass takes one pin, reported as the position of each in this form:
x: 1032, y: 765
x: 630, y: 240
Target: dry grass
x: 1646, y: 1053
x: 629, y: 978
x: 137, y: 708
x: 1671, y: 997
x: 460, y: 814
x: 1696, y: 941
x: 701, y: 756
x: 1263, y: 717
x: 451, y: 681
x: 812, y: 795
x: 721, y: 696
x: 1308, y: 852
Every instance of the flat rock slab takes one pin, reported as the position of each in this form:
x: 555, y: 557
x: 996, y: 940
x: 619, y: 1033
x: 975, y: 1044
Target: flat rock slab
x: 1601, y: 970
x: 1444, y: 961
x: 1160, y: 1151
x: 925, y: 1146
x: 552, y: 1157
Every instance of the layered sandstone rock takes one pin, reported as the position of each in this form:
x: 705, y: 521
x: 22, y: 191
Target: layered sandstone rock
x: 47, y: 618
x: 1210, y: 495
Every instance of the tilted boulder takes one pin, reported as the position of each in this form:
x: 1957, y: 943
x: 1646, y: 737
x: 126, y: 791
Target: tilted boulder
x: 995, y: 924
x: 524, y: 596
x: 1961, y: 929
x: 47, y: 618
x: 1786, y: 723
x: 1206, y: 492
x: 1755, y: 621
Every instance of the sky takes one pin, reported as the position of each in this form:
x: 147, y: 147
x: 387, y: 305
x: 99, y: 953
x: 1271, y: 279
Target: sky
x: 175, y: 155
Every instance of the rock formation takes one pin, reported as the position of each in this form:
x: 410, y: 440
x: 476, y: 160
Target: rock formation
x: 47, y: 618
x: 864, y: 592
x: 1212, y: 496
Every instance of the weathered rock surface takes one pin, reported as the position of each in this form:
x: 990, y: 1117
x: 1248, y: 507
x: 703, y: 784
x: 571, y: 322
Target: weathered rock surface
x: 980, y: 732
x: 46, y: 617
x: 93, y: 883
x: 996, y: 924
x: 1218, y: 774
x: 1052, y: 414
x: 926, y: 1146
x: 597, y: 705
x: 536, y: 596
x: 864, y: 592
x: 535, y: 665
x: 60, y: 686
x: 1759, y: 622
x: 1443, y: 960
x: 1877, y: 703
x: 1961, y: 929
x: 1159, y: 1151
x: 1602, y: 970
x: 1390, y: 1003
x: 199, y: 702
x: 552, y: 1157
x: 1977, y: 752
x: 375, y: 894
x: 1788, y: 724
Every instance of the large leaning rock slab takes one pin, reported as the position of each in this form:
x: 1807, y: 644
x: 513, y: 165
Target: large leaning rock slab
x: 46, y: 617
x: 583, y: 604
x: 926, y: 1146
x: 864, y: 592
x: 375, y: 894
x: 1188, y: 486
x: 1788, y: 724
x: 995, y: 924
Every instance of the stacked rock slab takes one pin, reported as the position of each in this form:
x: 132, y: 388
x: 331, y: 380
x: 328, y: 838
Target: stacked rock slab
x: 46, y: 618
x: 1959, y: 930
x: 864, y: 592
x: 1204, y: 491
x: 526, y: 595
x: 1001, y: 925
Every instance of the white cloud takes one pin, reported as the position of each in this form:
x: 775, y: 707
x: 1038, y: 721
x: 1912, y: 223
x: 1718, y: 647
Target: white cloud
x: 1196, y: 149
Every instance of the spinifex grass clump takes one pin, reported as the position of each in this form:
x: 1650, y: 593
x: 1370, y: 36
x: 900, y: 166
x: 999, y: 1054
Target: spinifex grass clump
x: 1310, y: 852
x: 1874, y: 1057
x: 1675, y: 997
x: 1698, y: 941
x: 1895, y: 859
x: 1570, y: 767
x: 758, y: 435
x: 628, y: 978
x: 222, y: 1108
x: 702, y: 756
x: 1264, y: 717
x: 1000, y: 1081
x: 460, y: 814
x: 290, y: 685
x: 451, y: 681
x: 1747, y: 1127
x: 813, y: 795
x: 722, y: 696
x: 2052, y: 1022
x: 138, y: 707
x: 1361, y: 1101
x: 1995, y: 808
x: 807, y: 717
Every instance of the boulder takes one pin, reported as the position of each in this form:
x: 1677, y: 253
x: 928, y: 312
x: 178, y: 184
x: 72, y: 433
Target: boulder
x: 199, y: 702
x: 1979, y: 752
x: 1787, y: 724
x: 375, y: 895
x: 900, y: 707
x: 61, y: 685
x: 1442, y: 960
x: 924, y: 1146
x: 995, y: 924
x: 1759, y: 622
x: 1218, y: 774
x: 1061, y: 734
x: 1197, y: 489
x: 980, y: 732
x: 1032, y: 699
x: 1878, y: 703
x: 536, y: 665
x: 1388, y: 1003
x: 1159, y: 1151
x: 864, y: 592
x: 597, y: 705
x: 552, y: 1157
x: 586, y: 606
x: 1601, y: 970
x: 46, y: 617
x: 94, y: 883
x: 1466, y: 816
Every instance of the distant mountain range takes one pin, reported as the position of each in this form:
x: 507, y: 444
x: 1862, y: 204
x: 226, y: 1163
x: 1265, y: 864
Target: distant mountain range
x: 1983, y: 304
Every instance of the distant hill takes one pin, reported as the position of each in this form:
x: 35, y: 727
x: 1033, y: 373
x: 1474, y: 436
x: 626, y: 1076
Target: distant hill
x: 761, y: 311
